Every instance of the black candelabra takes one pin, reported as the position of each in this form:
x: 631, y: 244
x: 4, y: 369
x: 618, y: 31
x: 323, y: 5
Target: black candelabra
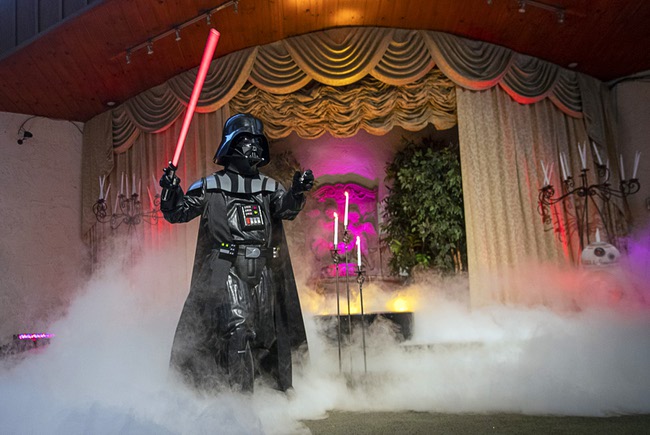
x: 588, y: 192
x: 127, y: 209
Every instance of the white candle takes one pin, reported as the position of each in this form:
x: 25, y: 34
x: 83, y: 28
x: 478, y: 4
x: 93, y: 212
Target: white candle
x: 583, y: 155
x: 101, y: 188
x: 358, y: 251
x: 122, y: 185
x: 566, y: 165
x: 336, y: 230
x: 155, y: 184
x: 562, y: 167
x: 621, y: 166
x: 600, y: 162
x: 545, y: 173
x: 637, y: 158
x: 127, y: 185
x: 150, y: 198
x: 134, y: 190
x: 345, y: 215
x: 108, y: 190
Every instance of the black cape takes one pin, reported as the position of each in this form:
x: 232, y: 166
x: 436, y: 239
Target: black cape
x: 197, y: 352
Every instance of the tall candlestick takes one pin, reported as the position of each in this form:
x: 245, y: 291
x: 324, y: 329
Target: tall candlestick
x: 347, y: 205
x: 359, y: 251
x: 336, y: 230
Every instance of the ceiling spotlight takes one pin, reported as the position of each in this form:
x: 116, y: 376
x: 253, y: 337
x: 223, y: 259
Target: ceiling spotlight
x: 128, y: 57
x: 26, y: 135
x: 522, y: 6
x: 560, y: 16
x: 489, y: 2
x: 178, y: 35
x: 207, y: 18
x: 149, y: 47
x: 235, y: 7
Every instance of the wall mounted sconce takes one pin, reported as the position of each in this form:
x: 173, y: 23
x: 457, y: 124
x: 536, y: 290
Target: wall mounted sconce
x: 26, y: 135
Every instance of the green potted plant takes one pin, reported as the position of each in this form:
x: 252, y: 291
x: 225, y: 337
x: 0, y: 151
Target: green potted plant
x: 424, y: 220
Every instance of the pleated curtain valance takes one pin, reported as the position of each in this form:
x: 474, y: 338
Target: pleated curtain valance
x: 343, y: 56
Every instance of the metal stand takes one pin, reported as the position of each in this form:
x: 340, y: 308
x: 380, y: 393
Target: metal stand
x: 336, y: 258
x: 346, y: 239
x: 360, y: 279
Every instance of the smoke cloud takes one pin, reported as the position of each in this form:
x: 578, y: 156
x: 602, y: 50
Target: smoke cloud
x: 106, y: 370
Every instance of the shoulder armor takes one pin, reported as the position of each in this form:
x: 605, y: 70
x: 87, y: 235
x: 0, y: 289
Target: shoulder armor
x: 235, y: 183
x: 196, y: 186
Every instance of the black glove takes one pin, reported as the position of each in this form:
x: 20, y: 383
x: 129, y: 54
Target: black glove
x: 302, y: 182
x: 169, y: 180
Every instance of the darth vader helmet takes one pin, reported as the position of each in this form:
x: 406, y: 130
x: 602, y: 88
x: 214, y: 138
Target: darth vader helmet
x: 243, y: 139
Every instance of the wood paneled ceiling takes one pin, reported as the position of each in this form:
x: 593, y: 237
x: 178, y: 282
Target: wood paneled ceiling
x: 75, y: 69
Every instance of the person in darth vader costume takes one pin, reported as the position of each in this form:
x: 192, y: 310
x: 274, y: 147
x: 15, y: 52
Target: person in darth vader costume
x: 242, y: 317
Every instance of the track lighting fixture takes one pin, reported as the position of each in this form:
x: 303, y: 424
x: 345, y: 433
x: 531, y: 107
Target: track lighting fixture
x: 205, y: 15
x: 559, y: 12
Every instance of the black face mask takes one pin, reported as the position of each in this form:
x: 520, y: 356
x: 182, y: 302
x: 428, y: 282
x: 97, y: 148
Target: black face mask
x: 247, y: 154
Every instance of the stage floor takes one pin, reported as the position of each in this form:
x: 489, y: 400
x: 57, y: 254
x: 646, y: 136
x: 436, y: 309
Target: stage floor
x: 410, y: 422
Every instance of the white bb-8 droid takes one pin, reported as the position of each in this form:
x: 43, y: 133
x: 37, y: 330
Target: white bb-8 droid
x: 603, y: 280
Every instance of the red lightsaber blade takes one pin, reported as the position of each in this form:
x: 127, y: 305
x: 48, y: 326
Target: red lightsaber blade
x: 210, y: 46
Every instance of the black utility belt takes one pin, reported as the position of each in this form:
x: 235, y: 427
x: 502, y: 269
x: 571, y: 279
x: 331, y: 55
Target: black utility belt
x: 229, y: 251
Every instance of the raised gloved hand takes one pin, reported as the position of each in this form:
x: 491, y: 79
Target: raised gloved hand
x: 169, y: 180
x: 302, y: 182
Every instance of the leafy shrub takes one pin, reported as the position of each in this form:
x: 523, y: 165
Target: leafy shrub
x: 424, y: 221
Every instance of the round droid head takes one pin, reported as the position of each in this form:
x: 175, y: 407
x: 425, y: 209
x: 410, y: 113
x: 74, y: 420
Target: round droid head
x: 600, y: 254
x: 243, y: 138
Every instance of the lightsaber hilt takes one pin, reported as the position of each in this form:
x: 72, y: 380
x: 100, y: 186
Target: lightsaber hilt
x: 170, y: 172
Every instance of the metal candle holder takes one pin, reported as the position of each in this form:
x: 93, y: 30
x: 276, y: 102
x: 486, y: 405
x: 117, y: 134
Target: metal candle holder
x: 336, y: 259
x: 346, y: 239
x: 360, y: 279
x: 128, y: 210
x: 602, y: 190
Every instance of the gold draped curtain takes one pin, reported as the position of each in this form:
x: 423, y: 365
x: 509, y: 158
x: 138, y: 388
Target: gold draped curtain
x: 345, y: 79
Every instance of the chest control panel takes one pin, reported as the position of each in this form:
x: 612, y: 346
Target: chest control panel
x: 251, y: 217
